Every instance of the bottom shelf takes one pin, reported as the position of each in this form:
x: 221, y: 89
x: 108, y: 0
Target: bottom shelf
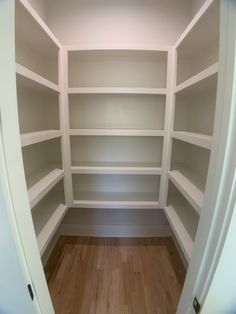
x: 47, y: 216
x: 182, y: 235
x: 183, y: 220
x: 115, y: 200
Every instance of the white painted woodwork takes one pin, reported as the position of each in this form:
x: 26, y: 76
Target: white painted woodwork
x: 184, y: 240
x: 116, y: 111
x: 203, y: 75
x: 188, y: 189
x: 43, y: 186
x: 128, y: 125
x: 137, y: 151
x: 50, y: 226
x: 195, y: 107
x: 36, y: 47
x: 117, y: 90
x: 116, y: 168
x: 192, y: 161
x: 37, y: 108
x: 198, y: 47
x: 201, y: 140
x: 37, y: 137
x: 114, y: 132
x: 116, y: 190
x: 33, y: 76
x: 102, y: 68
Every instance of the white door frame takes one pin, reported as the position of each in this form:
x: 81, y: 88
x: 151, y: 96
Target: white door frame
x: 217, y: 209
x: 18, y: 204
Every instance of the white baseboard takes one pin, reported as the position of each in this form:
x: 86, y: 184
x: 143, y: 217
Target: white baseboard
x: 115, y: 230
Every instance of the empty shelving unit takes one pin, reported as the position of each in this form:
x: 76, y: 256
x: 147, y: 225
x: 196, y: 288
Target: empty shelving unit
x: 117, y: 136
x: 111, y: 128
x: 194, y: 102
x: 38, y: 96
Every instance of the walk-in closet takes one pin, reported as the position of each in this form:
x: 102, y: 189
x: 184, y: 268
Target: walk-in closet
x: 115, y: 136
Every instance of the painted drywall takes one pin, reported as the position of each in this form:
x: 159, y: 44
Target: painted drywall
x: 130, y: 23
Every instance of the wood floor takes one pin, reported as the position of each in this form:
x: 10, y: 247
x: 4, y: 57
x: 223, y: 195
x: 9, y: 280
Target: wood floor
x: 115, y: 276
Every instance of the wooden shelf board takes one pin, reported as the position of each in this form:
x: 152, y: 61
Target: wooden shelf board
x: 115, y: 132
x: 116, y: 170
x: 190, y: 191
x: 36, y: 78
x: 202, y: 76
x: 182, y: 236
x: 116, y: 200
x: 39, y: 136
x: 50, y: 228
x: 43, y: 35
x: 38, y: 190
x: 199, y: 29
x: 125, y: 48
x: 117, y: 90
x: 201, y: 140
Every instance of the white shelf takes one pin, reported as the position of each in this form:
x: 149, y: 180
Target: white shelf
x: 116, y: 200
x: 115, y: 132
x: 116, y: 168
x: 41, y: 36
x: 202, y: 28
x: 201, y: 140
x: 39, y: 189
x: 50, y: 227
x: 79, y: 48
x: 40, y: 136
x: 117, y: 90
x: 203, y: 75
x: 190, y: 191
x: 30, y: 75
x: 182, y: 235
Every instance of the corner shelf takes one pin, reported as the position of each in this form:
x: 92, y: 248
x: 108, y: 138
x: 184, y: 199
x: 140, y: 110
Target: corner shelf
x: 36, y: 22
x: 201, y: 140
x: 40, y: 136
x: 190, y: 191
x: 117, y: 90
x: 44, y: 185
x: 182, y: 235
x: 34, y: 77
x: 200, y: 26
x: 211, y: 71
x: 50, y: 227
x: 115, y: 132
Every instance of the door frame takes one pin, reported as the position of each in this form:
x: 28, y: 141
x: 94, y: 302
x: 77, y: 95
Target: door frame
x: 220, y: 193
x: 18, y: 204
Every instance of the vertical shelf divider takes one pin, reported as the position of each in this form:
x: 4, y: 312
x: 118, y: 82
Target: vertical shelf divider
x: 64, y: 122
x: 169, y: 121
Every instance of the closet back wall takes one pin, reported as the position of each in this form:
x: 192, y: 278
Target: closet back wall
x: 117, y: 24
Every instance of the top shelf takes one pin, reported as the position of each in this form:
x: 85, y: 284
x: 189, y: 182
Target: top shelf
x: 31, y: 29
x: 36, y: 47
x: 203, y: 28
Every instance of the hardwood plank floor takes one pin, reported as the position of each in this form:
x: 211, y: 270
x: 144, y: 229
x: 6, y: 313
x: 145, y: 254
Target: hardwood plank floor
x: 88, y: 275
